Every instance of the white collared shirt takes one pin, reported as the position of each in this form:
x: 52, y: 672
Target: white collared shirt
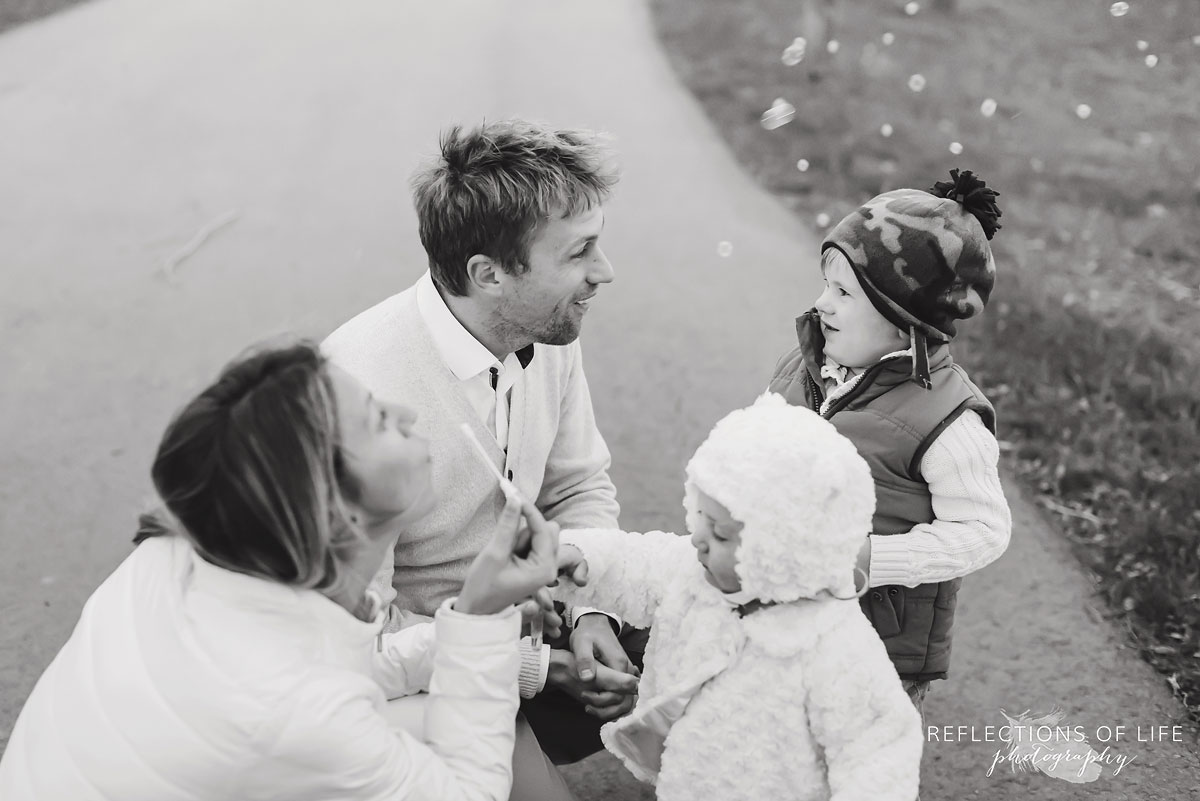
x: 470, y: 361
x: 472, y: 364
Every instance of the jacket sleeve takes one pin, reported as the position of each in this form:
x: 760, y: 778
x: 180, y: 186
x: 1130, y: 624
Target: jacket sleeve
x: 576, y: 490
x: 403, y: 662
x: 861, y: 717
x: 627, y: 572
x: 332, y: 742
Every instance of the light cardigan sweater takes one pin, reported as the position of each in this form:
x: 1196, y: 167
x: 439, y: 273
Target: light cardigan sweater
x: 183, y: 681
x: 972, y: 524
x: 555, y: 456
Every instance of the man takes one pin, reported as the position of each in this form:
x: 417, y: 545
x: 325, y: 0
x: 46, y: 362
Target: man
x: 510, y: 215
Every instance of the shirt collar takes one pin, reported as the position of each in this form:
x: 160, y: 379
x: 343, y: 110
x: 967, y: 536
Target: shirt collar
x: 460, y: 350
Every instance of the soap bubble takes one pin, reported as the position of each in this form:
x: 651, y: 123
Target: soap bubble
x: 823, y: 220
x: 956, y: 148
x: 724, y: 249
x: 917, y: 82
x: 912, y: 8
x: 794, y: 53
x: 833, y: 46
x: 890, y: 37
x: 779, y: 114
x: 1196, y: 40
x: 1119, y: 9
x: 1151, y: 60
x: 988, y: 107
x: 1083, y: 111
x: 802, y: 165
x: 1142, y: 44
x: 886, y: 129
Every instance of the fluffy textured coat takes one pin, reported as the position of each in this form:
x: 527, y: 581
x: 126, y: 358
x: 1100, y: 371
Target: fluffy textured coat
x: 796, y: 699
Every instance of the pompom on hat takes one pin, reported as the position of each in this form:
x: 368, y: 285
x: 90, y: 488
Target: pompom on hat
x: 923, y: 258
x: 803, y: 493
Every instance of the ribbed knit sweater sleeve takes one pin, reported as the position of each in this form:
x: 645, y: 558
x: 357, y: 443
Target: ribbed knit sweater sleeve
x: 576, y: 491
x: 972, y: 522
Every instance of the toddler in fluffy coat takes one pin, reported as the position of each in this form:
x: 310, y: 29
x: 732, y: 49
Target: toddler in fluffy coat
x: 762, y: 677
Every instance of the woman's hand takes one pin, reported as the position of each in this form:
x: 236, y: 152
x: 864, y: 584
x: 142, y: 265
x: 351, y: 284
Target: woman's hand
x: 541, y: 605
x: 502, y: 574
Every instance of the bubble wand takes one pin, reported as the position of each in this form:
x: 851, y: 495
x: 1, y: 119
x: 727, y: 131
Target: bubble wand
x: 510, y: 491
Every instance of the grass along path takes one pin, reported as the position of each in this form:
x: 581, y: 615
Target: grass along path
x: 1089, y: 347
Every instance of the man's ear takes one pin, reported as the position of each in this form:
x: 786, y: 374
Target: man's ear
x: 485, y: 276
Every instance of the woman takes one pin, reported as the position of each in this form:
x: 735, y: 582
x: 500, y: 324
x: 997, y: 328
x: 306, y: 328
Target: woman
x: 239, y: 657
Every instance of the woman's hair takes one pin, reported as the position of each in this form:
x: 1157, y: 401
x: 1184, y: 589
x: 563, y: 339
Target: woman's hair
x: 251, y: 471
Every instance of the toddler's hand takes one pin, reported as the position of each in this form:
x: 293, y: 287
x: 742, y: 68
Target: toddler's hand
x: 572, y: 565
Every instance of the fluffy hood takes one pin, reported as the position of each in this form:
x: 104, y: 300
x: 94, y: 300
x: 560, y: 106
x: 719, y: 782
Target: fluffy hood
x: 802, y: 492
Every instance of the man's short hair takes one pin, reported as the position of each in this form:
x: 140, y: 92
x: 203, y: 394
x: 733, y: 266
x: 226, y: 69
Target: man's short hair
x: 492, y: 186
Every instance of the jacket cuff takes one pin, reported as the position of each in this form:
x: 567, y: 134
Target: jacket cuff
x: 458, y: 628
x: 577, y: 612
x: 890, y: 561
x: 535, y: 665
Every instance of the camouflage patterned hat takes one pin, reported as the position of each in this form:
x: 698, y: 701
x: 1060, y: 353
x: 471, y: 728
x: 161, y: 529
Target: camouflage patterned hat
x: 923, y: 258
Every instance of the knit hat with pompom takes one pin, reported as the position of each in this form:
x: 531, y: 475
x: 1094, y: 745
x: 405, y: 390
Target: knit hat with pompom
x: 924, y: 258
x: 802, y: 492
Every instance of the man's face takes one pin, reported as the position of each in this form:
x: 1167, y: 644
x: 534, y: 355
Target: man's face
x: 566, y: 266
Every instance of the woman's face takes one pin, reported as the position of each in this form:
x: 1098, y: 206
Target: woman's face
x: 389, y: 464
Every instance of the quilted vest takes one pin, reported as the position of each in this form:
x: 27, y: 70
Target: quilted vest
x: 892, y: 421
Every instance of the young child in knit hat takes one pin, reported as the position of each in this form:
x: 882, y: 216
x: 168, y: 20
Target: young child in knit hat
x: 762, y: 678
x: 874, y: 359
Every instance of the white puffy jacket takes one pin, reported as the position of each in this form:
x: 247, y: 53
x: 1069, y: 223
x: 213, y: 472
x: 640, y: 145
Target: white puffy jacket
x: 186, y: 682
x: 804, y: 704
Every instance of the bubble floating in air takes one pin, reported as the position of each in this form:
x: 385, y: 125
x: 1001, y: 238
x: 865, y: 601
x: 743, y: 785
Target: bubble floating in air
x: 802, y: 165
x: 912, y: 8
x: 794, y: 53
x: 1083, y: 111
x: 917, y: 82
x: 823, y: 220
x: 779, y: 114
x: 988, y: 107
x: 956, y: 148
x: 1152, y: 60
x: 888, y: 38
x: 1119, y: 9
x: 1196, y: 40
x: 833, y: 46
x: 886, y: 129
x: 724, y: 249
x: 1142, y: 44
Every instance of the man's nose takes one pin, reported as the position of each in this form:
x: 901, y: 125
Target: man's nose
x: 602, y: 270
x: 698, y: 542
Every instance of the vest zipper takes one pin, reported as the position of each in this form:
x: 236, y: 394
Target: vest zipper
x: 863, y: 383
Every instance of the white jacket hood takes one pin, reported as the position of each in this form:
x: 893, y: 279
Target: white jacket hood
x: 804, y: 495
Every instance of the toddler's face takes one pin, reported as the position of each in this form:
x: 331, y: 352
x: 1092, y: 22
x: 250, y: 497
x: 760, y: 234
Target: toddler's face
x: 856, y: 334
x: 716, y: 536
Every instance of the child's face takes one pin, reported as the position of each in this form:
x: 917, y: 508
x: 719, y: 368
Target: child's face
x: 856, y: 334
x: 716, y: 536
